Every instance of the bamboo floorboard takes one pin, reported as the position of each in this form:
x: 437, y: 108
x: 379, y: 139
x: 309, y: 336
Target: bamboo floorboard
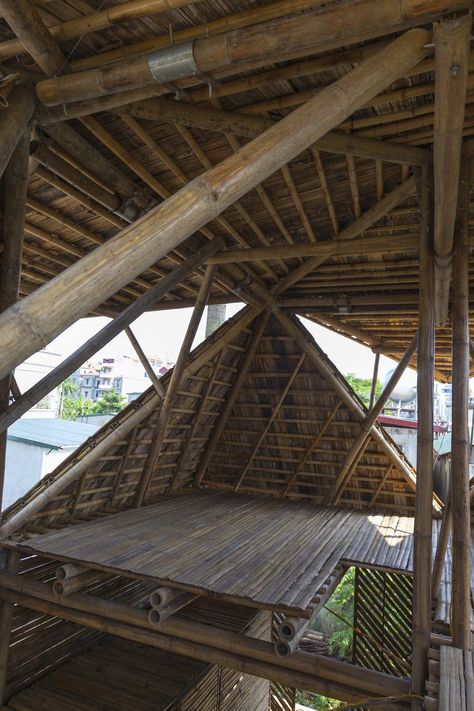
x: 244, y: 549
x: 456, y: 683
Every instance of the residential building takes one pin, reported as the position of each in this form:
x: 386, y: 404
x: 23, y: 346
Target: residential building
x: 123, y: 374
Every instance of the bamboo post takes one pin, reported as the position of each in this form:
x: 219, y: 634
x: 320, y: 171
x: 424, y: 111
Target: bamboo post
x: 15, y: 185
x: 424, y: 484
x: 366, y: 427
x: 6, y: 615
x: 145, y: 362
x: 69, y: 296
x: 373, y: 387
x: 451, y: 40
x: 461, y: 536
x: 441, y: 548
x: 14, y: 120
x: 25, y: 21
x: 252, y: 344
x: 106, y: 334
x: 174, y: 384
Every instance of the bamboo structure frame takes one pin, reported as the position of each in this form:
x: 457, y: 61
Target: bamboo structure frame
x: 300, y: 157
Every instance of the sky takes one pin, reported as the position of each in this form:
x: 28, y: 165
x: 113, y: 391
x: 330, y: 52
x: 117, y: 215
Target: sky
x: 160, y: 333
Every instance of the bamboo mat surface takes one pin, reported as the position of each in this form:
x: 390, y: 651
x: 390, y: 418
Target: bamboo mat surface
x: 269, y: 553
x: 456, y: 681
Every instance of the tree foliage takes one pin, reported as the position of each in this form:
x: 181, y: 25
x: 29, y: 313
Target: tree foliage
x: 110, y: 403
x: 73, y: 407
x: 362, y: 387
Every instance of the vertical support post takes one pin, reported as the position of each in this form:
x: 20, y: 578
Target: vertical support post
x: 6, y: 615
x: 15, y: 185
x: 174, y: 384
x: 424, y: 463
x: 374, y: 380
x: 461, y: 537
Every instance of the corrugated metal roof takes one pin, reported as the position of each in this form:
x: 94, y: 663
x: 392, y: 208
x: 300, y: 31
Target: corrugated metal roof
x: 50, y: 432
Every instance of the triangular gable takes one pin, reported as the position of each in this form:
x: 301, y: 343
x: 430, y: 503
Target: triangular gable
x: 287, y: 435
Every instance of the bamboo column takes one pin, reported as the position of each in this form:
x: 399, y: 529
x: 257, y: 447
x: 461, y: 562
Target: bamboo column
x: 451, y: 39
x: 106, y: 334
x: 366, y: 428
x: 83, y: 286
x: 424, y: 483
x: 15, y: 185
x: 460, y: 602
x: 373, y: 387
x: 441, y: 548
x: 6, y: 615
x: 14, y: 120
x: 174, y: 384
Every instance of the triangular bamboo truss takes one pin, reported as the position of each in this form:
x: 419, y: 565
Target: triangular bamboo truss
x: 255, y: 412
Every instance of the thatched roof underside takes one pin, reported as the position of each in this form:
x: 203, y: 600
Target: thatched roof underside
x: 287, y: 435
x: 373, y: 298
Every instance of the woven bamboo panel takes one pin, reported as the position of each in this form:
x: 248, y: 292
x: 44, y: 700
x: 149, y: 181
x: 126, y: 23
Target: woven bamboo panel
x: 383, y: 621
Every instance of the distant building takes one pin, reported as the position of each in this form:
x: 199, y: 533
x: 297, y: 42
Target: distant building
x: 124, y: 374
x: 35, y: 446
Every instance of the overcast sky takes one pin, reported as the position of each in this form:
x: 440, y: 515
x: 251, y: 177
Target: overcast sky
x: 161, y: 333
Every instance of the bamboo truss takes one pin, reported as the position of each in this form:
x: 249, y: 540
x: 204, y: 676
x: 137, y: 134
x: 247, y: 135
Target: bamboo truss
x: 287, y: 164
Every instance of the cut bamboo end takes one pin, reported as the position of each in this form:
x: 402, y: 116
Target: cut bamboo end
x: 68, y: 570
x: 162, y: 596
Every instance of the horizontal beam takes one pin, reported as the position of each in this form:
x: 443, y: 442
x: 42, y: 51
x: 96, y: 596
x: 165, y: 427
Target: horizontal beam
x: 203, y: 642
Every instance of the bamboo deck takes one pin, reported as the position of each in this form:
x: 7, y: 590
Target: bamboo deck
x: 262, y: 552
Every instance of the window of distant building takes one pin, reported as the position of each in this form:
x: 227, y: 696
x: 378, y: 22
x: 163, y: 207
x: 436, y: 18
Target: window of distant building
x: 86, y: 393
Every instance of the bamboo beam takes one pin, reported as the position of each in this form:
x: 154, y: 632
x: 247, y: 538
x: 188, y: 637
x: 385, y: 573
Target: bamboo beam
x: 461, y: 536
x: 25, y: 21
x: 6, y: 616
x: 248, y: 125
x: 104, y: 336
x: 451, y: 39
x: 145, y: 362
x: 14, y: 120
x: 373, y: 386
x: 251, y: 348
x: 275, y: 411
x: 69, y: 296
x: 367, y: 426
x: 424, y: 465
x: 204, y: 642
x: 442, y: 547
x: 355, y: 24
x: 164, y: 415
x: 15, y: 184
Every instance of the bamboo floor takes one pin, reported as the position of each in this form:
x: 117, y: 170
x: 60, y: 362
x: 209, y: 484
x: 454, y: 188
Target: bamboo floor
x: 243, y: 549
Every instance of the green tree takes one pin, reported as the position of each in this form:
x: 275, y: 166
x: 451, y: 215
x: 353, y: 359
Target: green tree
x: 320, y: 703
x: 362, y: 387
x: 110, y: 403
x: 74, y: 407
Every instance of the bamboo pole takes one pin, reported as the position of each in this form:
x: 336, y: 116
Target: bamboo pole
x: 14, y: 120
x: 15, y: 182
x: 461, y: 536
x: 451, y: 39
x: 368, y: 424
x: 177, y: 373
x: 69, y: 296
x: 145, y: 362
x: 441, y: 548
x: 200, y: 641
x: 105, y: 335
x: 25, y: 21
x: 424, y: 485
x: 373, y: 387
x: 262, y: 44
x: 355, y: 24
x: 6, y: 616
